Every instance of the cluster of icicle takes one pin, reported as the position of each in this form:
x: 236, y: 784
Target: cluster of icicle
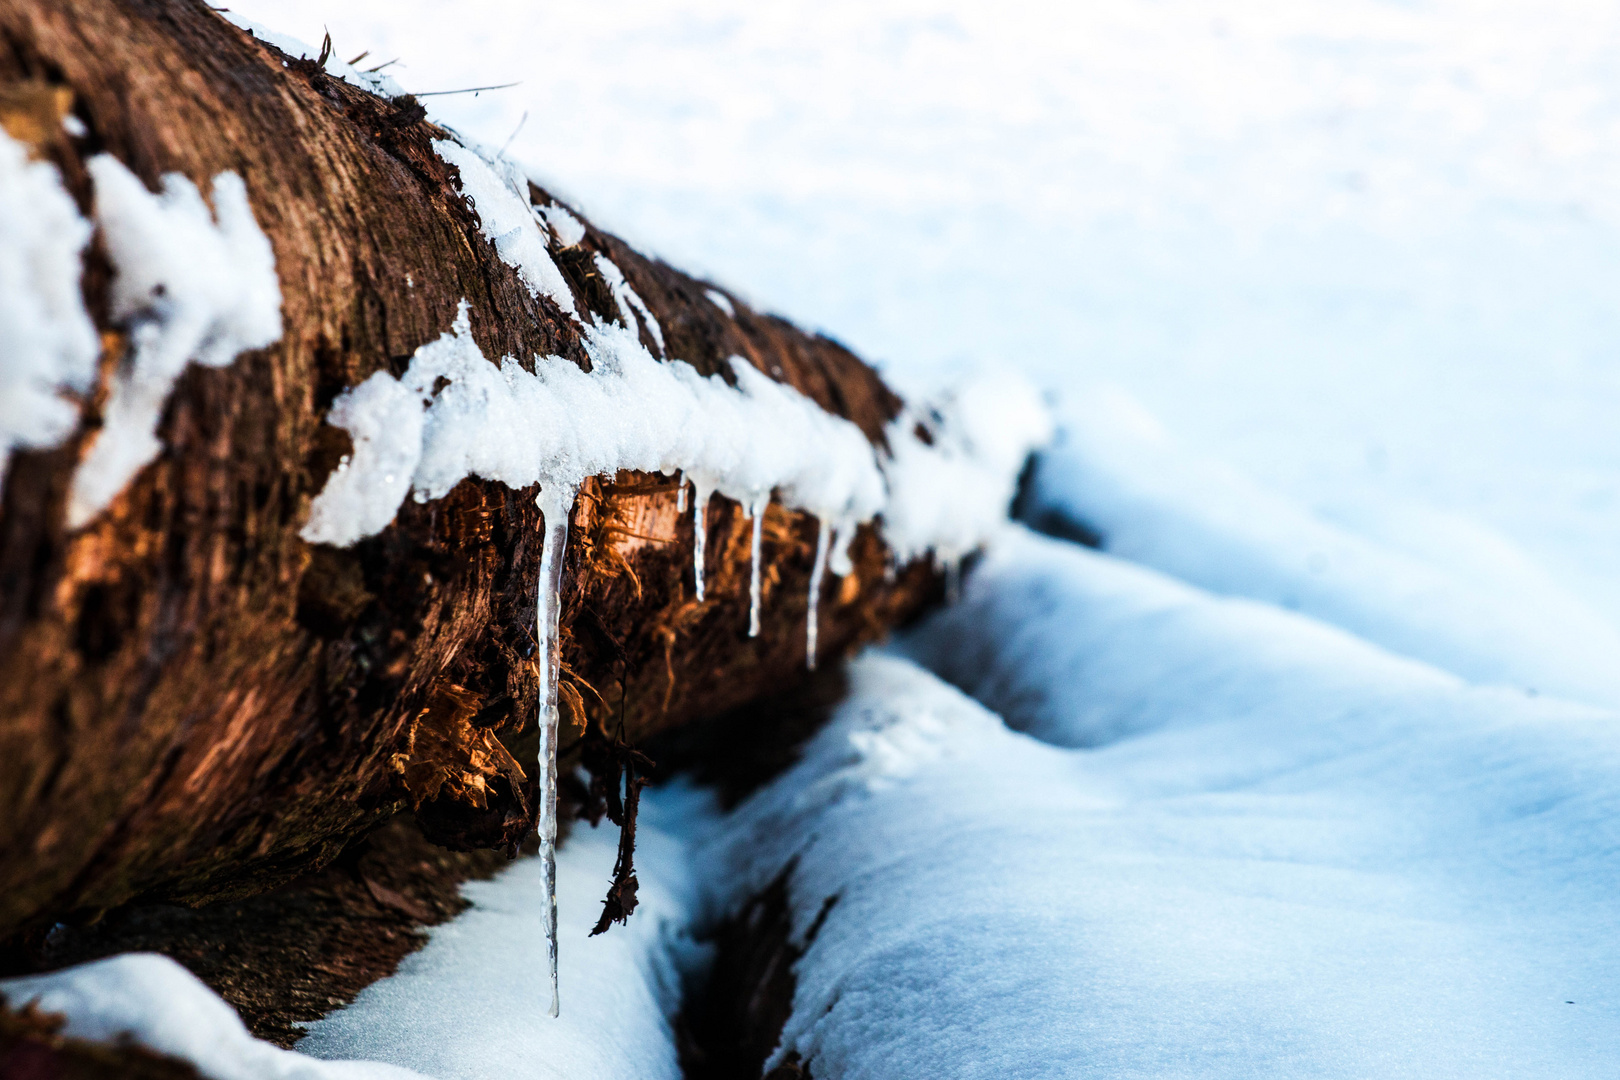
x: 455, y: 414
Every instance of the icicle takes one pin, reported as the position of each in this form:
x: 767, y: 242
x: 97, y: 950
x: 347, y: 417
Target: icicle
x: 817, y: 570
x: 838, y: 558
x: 953, y: 579
x: 757, y: 509
x: 701, y: 492
x: 556, y: 502
x: 680, y: 492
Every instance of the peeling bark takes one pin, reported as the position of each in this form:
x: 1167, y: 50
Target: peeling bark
x: 195, y: 704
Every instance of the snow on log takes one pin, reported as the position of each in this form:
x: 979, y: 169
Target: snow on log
x: 289, y: 373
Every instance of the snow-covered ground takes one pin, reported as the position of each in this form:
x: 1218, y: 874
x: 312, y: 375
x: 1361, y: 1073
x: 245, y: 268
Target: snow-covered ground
x: 1281, y: 852
x: 1227, y: 841
x: 473, y: 1002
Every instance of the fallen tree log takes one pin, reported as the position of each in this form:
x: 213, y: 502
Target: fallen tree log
x: 204, y: 691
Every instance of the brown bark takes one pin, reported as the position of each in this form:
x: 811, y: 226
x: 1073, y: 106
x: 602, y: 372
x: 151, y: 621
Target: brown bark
x: 195, y: 704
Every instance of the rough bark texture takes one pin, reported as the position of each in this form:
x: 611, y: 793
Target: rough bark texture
x: 197, y: 705
x: 292, y: 955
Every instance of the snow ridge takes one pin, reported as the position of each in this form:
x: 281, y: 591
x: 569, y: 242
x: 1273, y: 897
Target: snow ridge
x: 497, y: 191
x: 1419, y: 582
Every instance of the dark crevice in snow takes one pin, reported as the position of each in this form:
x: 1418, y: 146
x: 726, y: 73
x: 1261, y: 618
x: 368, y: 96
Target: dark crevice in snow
x: 1047, y: 517
x: 732, y: 1019
x: 728, y: 1029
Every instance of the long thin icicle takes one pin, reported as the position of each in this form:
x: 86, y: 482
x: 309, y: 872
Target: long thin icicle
x: 701, y: 492
x: 817, y: 571
x: 556, y: 502
x: 757, y: 509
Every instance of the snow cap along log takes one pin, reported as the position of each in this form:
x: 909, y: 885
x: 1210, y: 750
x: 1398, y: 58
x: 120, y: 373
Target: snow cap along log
x: 942, y: 486
x: 198, y: 702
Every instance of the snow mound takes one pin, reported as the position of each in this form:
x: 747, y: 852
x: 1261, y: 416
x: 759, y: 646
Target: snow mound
x: 163, y: 1007
x: 1300, y: 857
x: 465, y: 1005
x: 1276, y: 851
x: 1419, y: 582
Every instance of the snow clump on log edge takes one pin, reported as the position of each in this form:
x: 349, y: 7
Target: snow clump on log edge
x: 190, y: 284
x: 47, y: 341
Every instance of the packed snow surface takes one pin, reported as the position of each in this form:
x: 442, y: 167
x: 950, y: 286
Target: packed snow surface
x: 47, y: 343
x: 1419, y: 581
x: 465, y: 1005
x: 189, y: 285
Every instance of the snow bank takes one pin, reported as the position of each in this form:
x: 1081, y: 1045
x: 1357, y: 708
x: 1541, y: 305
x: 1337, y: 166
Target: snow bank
x: 163, y: 1007
x: 1299, y: 857
x: 1286, y: 852
x: 47, y: 342
x: 189, y: 285
x: 1420, y: 582
x: 469, y: 1004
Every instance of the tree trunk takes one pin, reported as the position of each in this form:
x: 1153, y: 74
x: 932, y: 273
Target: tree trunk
x: 195, y: 703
